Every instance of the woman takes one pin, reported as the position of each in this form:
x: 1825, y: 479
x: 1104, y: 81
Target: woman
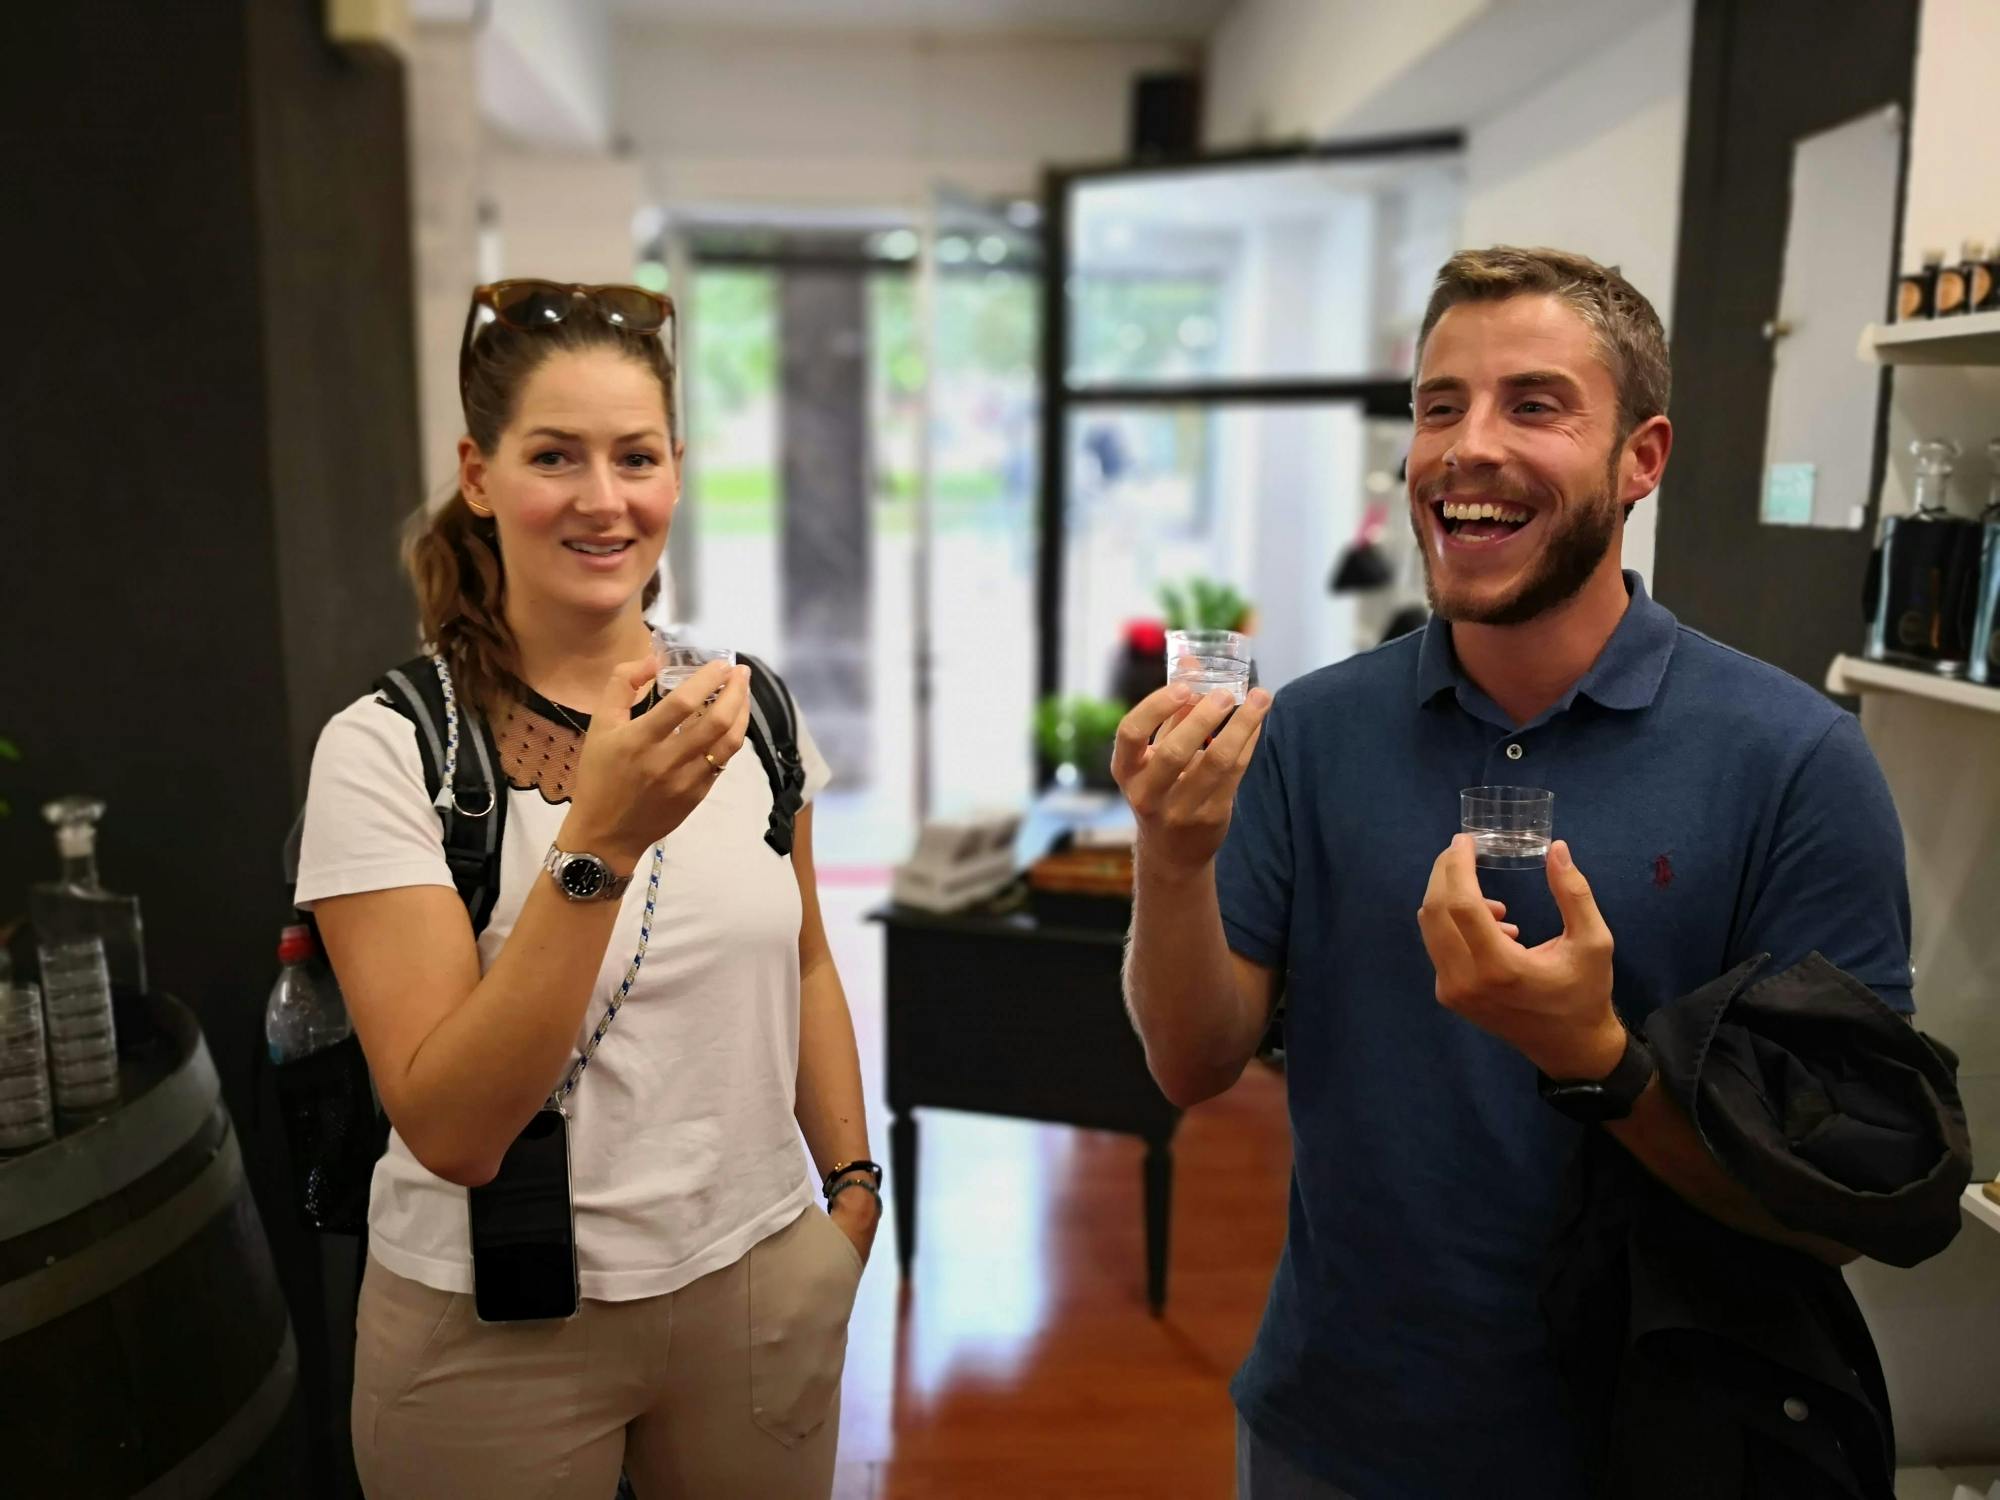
x: 706, y: 1352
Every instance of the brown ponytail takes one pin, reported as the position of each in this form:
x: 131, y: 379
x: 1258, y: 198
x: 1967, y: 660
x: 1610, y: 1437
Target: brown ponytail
x: 453, y: 553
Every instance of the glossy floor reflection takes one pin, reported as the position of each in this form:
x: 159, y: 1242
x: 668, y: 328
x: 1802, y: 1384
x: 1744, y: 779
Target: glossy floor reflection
x: 1021, y: 1360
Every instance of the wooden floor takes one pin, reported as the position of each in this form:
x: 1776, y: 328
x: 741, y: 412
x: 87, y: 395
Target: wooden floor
x: 1021, y: 1360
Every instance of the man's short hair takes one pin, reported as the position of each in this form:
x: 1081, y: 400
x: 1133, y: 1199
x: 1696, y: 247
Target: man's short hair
x: 1629, y: 337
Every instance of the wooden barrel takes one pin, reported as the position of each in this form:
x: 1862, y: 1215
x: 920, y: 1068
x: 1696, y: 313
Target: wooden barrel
x: 145, y: 1346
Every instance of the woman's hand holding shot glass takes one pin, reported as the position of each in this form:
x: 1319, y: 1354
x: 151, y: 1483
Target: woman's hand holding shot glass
x: 640, y: 777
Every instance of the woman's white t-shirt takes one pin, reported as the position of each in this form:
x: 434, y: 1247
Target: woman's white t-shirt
x: 683, y: 1148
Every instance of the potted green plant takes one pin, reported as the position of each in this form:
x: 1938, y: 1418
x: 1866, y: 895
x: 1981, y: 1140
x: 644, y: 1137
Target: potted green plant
x: 1204, y: 604
x: 1078, y: 732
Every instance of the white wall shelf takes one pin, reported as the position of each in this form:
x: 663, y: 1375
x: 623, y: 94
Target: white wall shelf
x: 1969, y: 339
x: 1982, y: 1208
x: 1851, y: 676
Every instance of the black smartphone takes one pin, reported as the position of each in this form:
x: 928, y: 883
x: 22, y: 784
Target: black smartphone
x: 524, y: 1229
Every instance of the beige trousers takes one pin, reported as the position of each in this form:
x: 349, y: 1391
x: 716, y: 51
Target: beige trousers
x: 728, y: 1389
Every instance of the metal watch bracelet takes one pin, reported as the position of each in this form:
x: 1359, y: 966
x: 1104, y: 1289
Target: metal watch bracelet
x: 582, y: 876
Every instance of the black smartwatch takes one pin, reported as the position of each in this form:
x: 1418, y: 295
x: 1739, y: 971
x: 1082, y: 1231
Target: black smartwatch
x: 1596, y: 1100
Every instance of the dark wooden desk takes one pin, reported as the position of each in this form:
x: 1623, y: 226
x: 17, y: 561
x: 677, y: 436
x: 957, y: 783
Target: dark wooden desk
x: 1003, y: 1015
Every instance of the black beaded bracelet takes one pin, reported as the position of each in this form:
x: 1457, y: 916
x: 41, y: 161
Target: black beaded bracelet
x: 847, y: 1182
x: 859, y: 1164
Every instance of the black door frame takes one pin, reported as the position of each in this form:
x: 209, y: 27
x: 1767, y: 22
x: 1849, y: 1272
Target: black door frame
x: 1382, y: 395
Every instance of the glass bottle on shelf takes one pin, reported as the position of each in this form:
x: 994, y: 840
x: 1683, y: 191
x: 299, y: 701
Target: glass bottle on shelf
x: 1927, y: 575
x: 75, y: 906
x: 1937, y: 461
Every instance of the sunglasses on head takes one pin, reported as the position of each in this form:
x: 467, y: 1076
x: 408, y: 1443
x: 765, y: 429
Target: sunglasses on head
x: 526, y: 305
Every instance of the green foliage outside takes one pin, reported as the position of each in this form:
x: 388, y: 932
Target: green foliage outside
x: 1078, y: 731
x: 984, y: 327
x: 1133, y: 327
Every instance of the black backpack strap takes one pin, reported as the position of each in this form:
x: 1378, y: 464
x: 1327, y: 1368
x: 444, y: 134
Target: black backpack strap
x: 774, y: 733
x: 472, y: 813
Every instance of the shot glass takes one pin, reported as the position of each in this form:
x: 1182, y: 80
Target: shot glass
x: 680, y: 658
x: 1510, y: 825
x: 1209, y: 659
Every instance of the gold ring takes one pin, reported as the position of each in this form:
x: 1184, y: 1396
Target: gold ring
x: 713, y: 764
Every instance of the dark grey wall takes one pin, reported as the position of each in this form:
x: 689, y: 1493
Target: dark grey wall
x: 1764, y: 73
x: 209, y: 409
x: 330, y: 161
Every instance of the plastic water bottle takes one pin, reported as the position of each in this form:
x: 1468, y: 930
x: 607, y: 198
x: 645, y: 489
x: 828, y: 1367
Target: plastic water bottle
x: 332, y: 1126
x: 306, y: 1013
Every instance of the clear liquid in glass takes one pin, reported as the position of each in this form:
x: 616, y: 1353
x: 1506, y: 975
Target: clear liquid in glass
x: 1509, y: 848
x: 1204, y: 674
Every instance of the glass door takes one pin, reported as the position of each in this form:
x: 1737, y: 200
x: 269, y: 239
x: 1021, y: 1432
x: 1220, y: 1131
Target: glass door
x: 1228, y: 378
x: 973, y: 615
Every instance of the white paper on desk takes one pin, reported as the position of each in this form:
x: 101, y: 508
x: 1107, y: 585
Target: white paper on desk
x: 1118, y: 836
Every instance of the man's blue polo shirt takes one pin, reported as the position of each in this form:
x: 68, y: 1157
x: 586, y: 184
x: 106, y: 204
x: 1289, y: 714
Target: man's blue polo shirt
x: 1719, y: 809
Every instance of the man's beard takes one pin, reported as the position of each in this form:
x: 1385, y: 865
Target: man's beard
x: 1570, y: 556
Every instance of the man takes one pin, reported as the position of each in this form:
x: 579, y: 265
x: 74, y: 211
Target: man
x: 1722, y: 809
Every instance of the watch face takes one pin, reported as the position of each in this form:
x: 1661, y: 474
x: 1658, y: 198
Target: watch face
x: 581, y: 877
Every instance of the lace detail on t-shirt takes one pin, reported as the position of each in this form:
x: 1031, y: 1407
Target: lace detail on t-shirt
x: 538, y: 750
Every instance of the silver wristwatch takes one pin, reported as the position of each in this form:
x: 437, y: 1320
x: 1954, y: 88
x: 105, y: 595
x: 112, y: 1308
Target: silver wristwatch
x: 583, y: 877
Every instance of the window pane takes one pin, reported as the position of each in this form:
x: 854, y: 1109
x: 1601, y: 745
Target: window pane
x: 1306, y: 269
x: 732, y: 463
x: 1262, y: 498
x: 984, y: 416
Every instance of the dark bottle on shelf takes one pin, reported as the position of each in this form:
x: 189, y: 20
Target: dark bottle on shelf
x: 1921, y: 608
x: 1916, y: 291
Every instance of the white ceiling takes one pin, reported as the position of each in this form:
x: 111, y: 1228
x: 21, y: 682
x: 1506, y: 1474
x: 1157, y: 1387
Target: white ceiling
x: 1189, y: 19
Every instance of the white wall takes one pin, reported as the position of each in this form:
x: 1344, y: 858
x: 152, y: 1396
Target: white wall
x: 1279, y: 69
x: 446, y: 151
x: 545, y: 71
x: 1938, y: 1327
x: 565, y: 216
x: 1575, y: 116
x: 1944, y: 764
x: 1592, y: 163
x: 806, y: 119
x: 1953, y: 194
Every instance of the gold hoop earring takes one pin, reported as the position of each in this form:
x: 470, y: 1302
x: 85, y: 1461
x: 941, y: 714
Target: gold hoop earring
x: 477, y: 509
